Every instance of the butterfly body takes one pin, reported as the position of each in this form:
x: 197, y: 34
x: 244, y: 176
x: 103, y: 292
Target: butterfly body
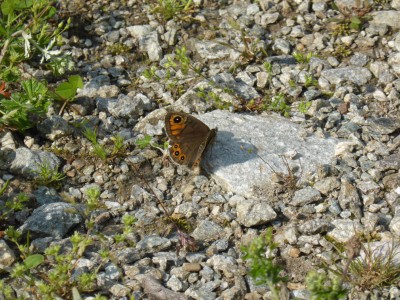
x: 189, y: 138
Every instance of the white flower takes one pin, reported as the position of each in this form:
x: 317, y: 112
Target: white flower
x: 47, y: 53
x: 27, y: 45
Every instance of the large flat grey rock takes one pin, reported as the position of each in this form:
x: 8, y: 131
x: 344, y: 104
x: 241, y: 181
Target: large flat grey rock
x: 243, y: 141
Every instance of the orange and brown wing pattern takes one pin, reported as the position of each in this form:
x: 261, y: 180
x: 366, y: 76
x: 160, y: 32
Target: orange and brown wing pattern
x: 175, y: 124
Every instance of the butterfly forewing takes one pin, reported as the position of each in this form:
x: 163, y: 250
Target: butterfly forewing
x: 189, y: 137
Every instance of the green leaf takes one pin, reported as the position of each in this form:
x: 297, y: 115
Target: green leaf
x: 355, y: 20
x: 7, y: 7
x: 65, y: 90
x: 33, y: 261
x: 76, y: 81
x: 22, y: 4
x: 143, y: 143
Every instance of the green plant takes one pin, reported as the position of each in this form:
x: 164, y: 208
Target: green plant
x: 210, y: 96
x: 118, y: 49
x: 377, y: 267
x: 66, y: 91
x: 304, y: 106
x: 351, y: 20
x: 268, y: 67
x: 323, y: 287
x: 102, y: 151
x: 50, y: 276
x: 128, y: 221
x: 25, y: 31
x: 262, y: 269
x: 302, y: 58
x: 310, y: 81
x: 13, y: 205
x: 46, y: 175
x: 278, y: 104
x: 342, y: 51
x: 146, y: 141
x: 151, y: 73
x: 4, y: 187
x: 179, y: 61
x: 169, y: 9
x: 23, y: 109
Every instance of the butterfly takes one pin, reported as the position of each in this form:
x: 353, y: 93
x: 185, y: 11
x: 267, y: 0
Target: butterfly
x: 189, y: 138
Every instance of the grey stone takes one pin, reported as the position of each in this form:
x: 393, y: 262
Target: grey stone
x: 267, y: 18
x: 314, y: 227
x: 387, y: 17
x: 127, y: 106
x: 383, y: 125
x: 391, y: 162
x: 7, y: 142
x: 223, y: 263
x: 45, y: 195
x: 153, y: 244
x: 282, y: 45
x: 127, y: 255
x: 305, y: 196
x: 359, y: 59
x: 149, y: 43
x: 207, y: 231
x: 344, y: 230
x: 54, y: 128
x: 119, y: 290
x: 213, y: 50
x: 27, y: 162
x: 244, y: 142
x: 349, y: 198
x: 7, y: 256
x: 138, y: 31
x: 53, y: 219
x: 251, y: 212
x: 175, y: 284
x: 356, y: 75
x: 242, y: 89
x: 394, y: 226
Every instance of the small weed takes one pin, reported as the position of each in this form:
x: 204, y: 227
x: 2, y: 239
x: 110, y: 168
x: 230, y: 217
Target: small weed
x: 102, y: 151
x: 262, y: 269
x: 4, y: 187
x: 302, y: 58
x: 118, y: 49
x: 67, y: 91
x: 342, y: 51
x: 13, y: 205
x: 278, y: 104
x: 257, y: 105
x: 128, y: 221
x: 93, y: 195
x: 352, y: 19
x: 251, y: 46
x: 310, y: 81
x: 212, y: 97
x: 179, y: 61
x: 146, y: 142
x: 24, y: 109
x: 26, y: 32
x: 169, y: 9
x: 304, y: 106
x: 151, y: 73
x: 376, y: 268
x: 342, y: 29
x: 268, y: 67
x: 323, y: 287
x: 46, y: 175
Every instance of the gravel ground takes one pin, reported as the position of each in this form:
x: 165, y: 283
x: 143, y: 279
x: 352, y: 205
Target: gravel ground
x: 308, y: 117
